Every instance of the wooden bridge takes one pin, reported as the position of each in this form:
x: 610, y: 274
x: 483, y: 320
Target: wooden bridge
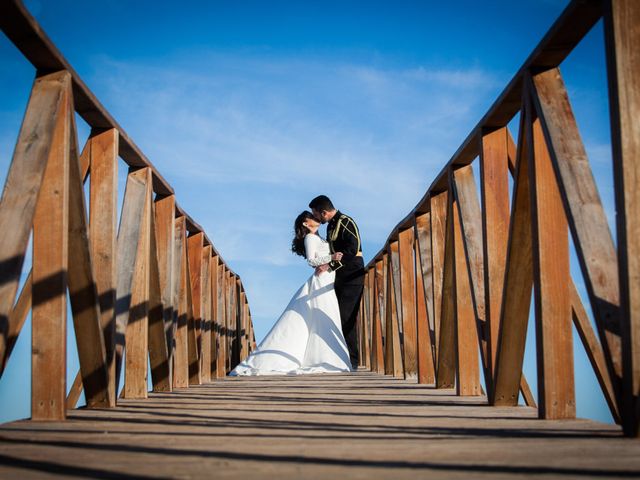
x: 446, y: 301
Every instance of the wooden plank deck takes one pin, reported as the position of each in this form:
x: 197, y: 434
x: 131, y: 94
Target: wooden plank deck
x: 318, y: 426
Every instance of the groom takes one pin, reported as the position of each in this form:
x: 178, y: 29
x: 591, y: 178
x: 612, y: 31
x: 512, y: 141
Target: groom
x: 343, y: 236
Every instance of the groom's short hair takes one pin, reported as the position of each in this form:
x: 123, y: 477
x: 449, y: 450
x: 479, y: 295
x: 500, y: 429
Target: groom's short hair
x: 321, y: 202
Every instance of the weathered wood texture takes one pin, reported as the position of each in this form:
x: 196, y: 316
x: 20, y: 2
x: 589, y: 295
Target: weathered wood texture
x: 622, y: 39
x: 47, y: 105
x: 494, y: 174
x: 102, y: 153
x: 317, y: 426
x: 518, y: 281
x: 50, y: 260
x: 124, y: 284
x: 408, y: 302
x: 556, y: 395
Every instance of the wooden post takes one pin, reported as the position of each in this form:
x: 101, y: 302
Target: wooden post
x: 137, y: 335
x: 377, y: 346
x: 365, y: 314
x: 556, y: 395
x: 50, y: 256
x: 518, y: 279
x: 438, y: 203
x: 221, y: 360
x: 129, y: 235
x: 103, y: 205
x: 194, y: 291
x: 622, y: 37
x: 393, y: 365
x: 215, y: 320
x: 466, y: 339
x: 446, y: 364
x: 38, y: 133
x: 181, y: 348
x: 165, y: 245
x: 85, y: 305
x: 159, y: 359
x: 408, y: 306
x: 470, y: 222
x: 426, y: 367
x: 494, y: 188
x: 205, y: 337
x: 423, y: 248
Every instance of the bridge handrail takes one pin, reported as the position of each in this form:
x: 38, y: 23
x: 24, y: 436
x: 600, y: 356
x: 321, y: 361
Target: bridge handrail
x: 153, y: 290
x: 455, y: 275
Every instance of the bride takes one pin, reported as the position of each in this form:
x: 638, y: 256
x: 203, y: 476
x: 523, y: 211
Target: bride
x: 307, y: 338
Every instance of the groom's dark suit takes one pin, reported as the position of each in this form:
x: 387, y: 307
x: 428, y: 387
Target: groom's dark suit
x: 344, y: 236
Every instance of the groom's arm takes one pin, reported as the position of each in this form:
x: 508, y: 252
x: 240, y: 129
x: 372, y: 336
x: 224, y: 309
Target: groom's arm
x: 350, y: 236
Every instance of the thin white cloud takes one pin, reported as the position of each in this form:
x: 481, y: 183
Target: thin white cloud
x: 247, y: 141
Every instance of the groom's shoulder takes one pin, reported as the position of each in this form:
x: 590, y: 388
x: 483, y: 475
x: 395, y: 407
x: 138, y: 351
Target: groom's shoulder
x: 344, y: 218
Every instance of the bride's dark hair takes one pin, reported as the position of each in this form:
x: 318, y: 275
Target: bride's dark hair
x: 300, y: 231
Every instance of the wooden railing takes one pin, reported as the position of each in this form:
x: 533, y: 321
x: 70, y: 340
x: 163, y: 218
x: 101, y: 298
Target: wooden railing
x: 153, y: 290
x: 453, y: 282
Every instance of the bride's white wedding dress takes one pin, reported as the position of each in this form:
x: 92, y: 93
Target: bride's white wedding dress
x: 307, y: 338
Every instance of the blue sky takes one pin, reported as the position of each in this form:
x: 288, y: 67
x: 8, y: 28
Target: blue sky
x: 251, y: 108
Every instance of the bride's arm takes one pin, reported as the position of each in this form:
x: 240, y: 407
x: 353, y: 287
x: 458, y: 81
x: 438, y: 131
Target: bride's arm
x: 311, y: 244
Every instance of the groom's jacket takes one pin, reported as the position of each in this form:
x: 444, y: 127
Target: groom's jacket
x: 344, y: 236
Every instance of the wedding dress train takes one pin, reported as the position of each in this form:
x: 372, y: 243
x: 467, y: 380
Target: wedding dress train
x: 307, y: 338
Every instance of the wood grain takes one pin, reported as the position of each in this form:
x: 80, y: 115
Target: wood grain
x: 50, y: 260
x: 494, y: 189
x: 42, y: 118
x: 408, y: 304
x: 102, y: 160
x: 554, y: 342
x: 518, y: 281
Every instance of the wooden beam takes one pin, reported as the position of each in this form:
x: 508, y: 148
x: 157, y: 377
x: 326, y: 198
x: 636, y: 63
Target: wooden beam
x: 446, y: 361
x: 426, y: 366
x: 47, y: 105
x: 129, y: 233
x: 518, y: 281
x: 585, y: 214
x: 137, y: 329
x: 222, y: 328
x: 181, y: 349
x: 221, y: 360
x: 205, y: 337
x: 50, y: 260
x: 215, y: 326
x: 194, y: 292
x: 556, y: 393
x: 622, y: 39
x: 470, y: 221
x: 164, y: 221
x: 102, y: 161
x: 393, y: 364
x: 438, y: 208
x: 75, y: 391
x: 423, y: 244
x: 159, y: 360
x: 407, y: 276
x: 377, y: 347
x: 83, y: 294
x: 593, y: 350
x: 494, y: 188
x: 17, y: 318
x: 466, y: 336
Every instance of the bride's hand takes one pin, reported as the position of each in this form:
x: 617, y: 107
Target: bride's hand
x: 322, y: 268
x: 337, y: 256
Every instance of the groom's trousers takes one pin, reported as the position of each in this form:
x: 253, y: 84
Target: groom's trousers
x: 349, y: 285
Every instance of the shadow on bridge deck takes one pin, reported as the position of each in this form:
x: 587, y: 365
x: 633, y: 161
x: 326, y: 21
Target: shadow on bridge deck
x: 318, y: 426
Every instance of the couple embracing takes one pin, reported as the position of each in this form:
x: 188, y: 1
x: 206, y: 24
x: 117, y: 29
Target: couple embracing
x: 316, y: 333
